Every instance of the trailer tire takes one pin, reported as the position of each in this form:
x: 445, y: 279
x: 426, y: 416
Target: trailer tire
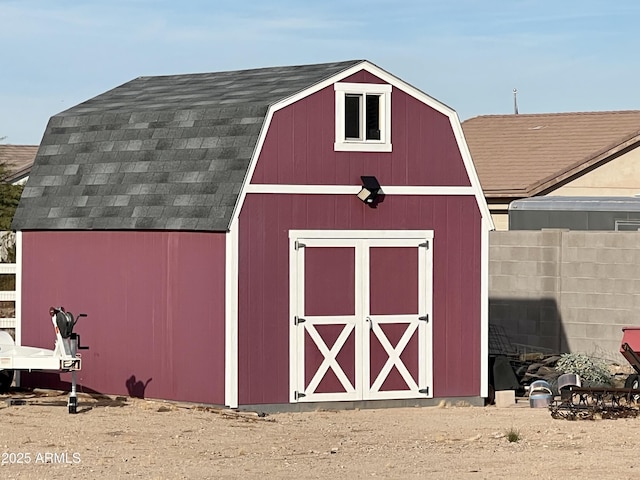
x: 6, y: 379
x: 632, y: 381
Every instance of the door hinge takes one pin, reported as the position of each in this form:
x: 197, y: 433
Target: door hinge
x: 298, y: 395
x: 424, y: 391
x: 298, y: 320
x: 298, y: 245
x: 424, y: 319
x: 425, y: 244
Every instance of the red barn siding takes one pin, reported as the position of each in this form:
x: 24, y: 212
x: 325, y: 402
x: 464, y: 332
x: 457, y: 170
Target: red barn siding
x: 263, y: 310
x: 399, y: 296
x: 363, y: 77
x: 155, y: 302
x: 298, y: 148
x: 329, y: 281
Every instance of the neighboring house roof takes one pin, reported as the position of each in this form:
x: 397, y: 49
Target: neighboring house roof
x: 525, y: 155
x: 167, y: 152
x: 18, y: 160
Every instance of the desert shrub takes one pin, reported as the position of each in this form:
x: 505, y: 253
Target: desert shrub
x: 513, y: 435
x: 591, y: 370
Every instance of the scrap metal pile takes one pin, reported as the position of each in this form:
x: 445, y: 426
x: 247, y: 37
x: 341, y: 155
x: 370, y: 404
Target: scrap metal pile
x: 584, y: 403
x: 579, y: 403
x: 583, y: 383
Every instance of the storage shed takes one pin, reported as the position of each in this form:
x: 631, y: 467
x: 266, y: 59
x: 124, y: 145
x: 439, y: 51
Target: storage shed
x: 262, y: 237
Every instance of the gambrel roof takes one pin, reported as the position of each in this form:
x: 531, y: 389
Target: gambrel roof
x: 527, y: 154
x: 157, y: 153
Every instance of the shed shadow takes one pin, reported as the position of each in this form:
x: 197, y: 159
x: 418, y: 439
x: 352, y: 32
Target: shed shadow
x: 136, y: 388
x: 47, y: 389
x: 54, y: 381
x: 521, y: 330
x: 525, y: 325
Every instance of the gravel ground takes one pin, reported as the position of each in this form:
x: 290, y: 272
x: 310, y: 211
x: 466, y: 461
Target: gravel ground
x: 124, y: 437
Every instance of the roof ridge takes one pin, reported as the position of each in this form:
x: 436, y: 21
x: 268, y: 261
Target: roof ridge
x: 256, y: 69
x: 555, y: 114
x: 17, y: 145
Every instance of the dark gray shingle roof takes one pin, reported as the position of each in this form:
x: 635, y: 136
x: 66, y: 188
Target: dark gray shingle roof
x: 157, y: 153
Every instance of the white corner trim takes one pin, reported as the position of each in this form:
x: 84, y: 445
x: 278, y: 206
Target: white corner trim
x: 484, y: 307
x: 231, y: 317
x: 354, y: 189
x: 18, y: 301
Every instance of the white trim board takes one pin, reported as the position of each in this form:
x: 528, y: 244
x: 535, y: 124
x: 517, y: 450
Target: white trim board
x: 364, y: 234
x: 18, y: 302
x: 354, y: 189
x: 231, y: 318
x: 484, y: 311
x: 18, y: 299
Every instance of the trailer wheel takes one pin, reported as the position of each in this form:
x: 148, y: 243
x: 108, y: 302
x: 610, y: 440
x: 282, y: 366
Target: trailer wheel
x: 6, y: 379
x: 632, y: 381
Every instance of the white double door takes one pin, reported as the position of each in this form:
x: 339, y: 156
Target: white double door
x: 361, y: 315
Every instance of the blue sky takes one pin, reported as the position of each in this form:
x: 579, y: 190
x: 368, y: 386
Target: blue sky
x: 561, y: 55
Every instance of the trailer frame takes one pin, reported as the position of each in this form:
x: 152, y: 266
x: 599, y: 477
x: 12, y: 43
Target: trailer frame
x: 63, y: 358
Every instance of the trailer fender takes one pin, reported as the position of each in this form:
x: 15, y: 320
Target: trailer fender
x: 6, y: 339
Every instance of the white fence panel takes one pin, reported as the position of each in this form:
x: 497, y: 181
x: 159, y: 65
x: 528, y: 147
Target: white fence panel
x: 7, y: 241
x: 8, y: 296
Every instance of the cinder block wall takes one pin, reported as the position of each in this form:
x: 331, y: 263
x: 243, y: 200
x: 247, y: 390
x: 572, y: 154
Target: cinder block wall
x: 566, y: 291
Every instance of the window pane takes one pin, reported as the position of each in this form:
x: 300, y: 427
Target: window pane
x: 352, y: 116
x: 373, y: 117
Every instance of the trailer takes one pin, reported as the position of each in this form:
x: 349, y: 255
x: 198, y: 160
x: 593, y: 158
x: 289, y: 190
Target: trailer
x: 630, y: 350
x: 63, y: 358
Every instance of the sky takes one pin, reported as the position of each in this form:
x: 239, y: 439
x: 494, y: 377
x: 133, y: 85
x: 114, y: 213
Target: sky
x: 560, y: 55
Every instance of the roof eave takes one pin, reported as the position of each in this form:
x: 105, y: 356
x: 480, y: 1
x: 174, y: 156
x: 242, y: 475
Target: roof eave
x: 19, y: 175
x: 506, y: 193
x: 603, y: 156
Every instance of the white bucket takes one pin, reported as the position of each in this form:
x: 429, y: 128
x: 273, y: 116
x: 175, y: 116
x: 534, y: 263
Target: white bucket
x: 541, y: 400
x: 539, y: 387
x: 568, y: 380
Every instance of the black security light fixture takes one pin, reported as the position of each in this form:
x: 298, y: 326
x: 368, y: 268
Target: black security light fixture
x: 370, y: 190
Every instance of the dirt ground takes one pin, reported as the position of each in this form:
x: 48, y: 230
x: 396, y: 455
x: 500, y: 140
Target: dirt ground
x: 124, y: 438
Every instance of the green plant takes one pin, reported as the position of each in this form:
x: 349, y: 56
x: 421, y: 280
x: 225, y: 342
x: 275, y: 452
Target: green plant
x: 591, y: 370
x: 513, y: 435
x: 9, y: 198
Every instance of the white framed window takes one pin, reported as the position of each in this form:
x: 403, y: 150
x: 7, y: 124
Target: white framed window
x: 363, y: 117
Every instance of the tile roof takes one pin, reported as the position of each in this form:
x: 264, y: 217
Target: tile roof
x: 157, y: 153
x: 17, y: 159
x: 526, y: 154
